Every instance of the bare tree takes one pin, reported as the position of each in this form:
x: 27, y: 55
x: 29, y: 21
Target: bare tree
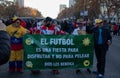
x: 10, y: 9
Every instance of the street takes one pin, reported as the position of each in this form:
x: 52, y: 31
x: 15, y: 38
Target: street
x: 112, y: 67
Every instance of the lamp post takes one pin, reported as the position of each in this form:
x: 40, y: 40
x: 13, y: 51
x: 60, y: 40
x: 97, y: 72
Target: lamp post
x: 117, y: 3
x: 84, y: 10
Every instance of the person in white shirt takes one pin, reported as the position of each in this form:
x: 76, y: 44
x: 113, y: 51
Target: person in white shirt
x: 80, y: 30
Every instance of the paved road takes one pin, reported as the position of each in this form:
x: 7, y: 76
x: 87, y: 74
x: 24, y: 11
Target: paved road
x: 112, y: 67
x: 113, y: 62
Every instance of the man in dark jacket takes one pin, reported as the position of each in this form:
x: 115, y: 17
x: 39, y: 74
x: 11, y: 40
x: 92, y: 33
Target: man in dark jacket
x: 102, y: 40
x: 4, y: 44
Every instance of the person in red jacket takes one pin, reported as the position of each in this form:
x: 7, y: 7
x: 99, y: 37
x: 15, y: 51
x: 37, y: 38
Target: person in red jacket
x: 23, y: 23
x: 48, y: 28
x: 115, y: 29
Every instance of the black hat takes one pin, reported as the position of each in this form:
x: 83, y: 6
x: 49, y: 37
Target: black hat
x: 48, y: 19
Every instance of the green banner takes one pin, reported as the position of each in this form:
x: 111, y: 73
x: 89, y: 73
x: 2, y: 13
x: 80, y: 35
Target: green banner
x: 58, y: 51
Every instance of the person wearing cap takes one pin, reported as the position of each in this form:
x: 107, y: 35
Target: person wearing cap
x: 4, y: 44
x: 102, y: 40
x: 49, y: 28
x: 22, y: 22
x: 16, y: 32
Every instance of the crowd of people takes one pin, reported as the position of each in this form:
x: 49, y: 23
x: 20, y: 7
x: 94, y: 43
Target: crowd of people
x: 17, y: 28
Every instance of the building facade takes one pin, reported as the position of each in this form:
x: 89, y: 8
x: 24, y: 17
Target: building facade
x: 71, y: 3
x: 19, y: 2
x: 62, y: 7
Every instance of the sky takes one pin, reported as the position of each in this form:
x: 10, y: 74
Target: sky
x: 46, y: 7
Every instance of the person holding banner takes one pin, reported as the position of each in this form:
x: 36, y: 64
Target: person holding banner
x: 34, y: 30
x: 48, y: 28
x: 102, y: 41
x: 16, y: 32
x: 80, y: 30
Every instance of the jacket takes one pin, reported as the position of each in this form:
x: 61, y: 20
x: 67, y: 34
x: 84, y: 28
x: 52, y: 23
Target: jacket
x: 4, y: 47
x: 106, y: 36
